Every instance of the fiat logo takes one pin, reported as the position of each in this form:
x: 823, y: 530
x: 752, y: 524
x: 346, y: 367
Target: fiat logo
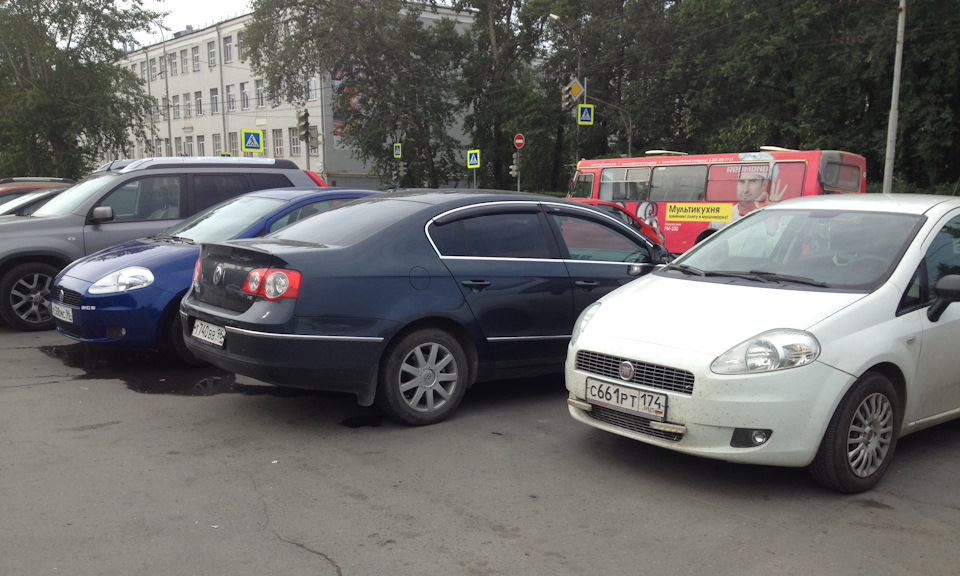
x: 217, y: 274
x: 61, y: 294
x: 626, y: 371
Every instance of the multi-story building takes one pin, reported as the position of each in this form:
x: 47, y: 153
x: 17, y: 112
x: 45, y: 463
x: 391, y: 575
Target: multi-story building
x: 208, y: 96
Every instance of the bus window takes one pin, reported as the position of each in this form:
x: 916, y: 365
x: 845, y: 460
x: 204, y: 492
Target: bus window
x: 678, y: 183
x: 583, y: 187
x: 624, y: 184
x: 841, y: 177
x: 786, y: 181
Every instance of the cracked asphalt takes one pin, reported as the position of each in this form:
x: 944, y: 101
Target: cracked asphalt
x: 120, y: 464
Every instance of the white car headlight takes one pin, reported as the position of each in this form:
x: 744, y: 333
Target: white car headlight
x: 123, y: 281
x: 773, y: 350
x: 581, y: 324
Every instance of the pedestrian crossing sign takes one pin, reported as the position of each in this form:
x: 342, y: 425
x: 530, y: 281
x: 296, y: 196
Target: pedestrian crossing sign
x: 397, y: 150
x: 251, y: 140
x: 473, y: 159
x: 585, y: 114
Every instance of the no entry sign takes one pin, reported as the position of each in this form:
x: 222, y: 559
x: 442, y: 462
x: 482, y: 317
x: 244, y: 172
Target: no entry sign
x: 518, y: 141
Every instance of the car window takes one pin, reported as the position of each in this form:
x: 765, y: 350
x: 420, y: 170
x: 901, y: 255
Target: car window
x: 942, y: 258
x: 147, y: 198
x: 264, y: 181
x: 586, y: 239
x: 504, y: 235
x: 303, y: 212
x: 210, y: 189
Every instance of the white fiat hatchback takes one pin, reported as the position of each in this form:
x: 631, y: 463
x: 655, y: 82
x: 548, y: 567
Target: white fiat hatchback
x: 814, y: 332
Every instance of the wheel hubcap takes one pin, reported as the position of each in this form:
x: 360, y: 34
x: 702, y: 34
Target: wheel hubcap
x: 871, y: 432
x: 30, y: 298
x: 428, y: 377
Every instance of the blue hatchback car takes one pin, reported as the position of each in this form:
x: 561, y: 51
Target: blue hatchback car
x: 129, y: 295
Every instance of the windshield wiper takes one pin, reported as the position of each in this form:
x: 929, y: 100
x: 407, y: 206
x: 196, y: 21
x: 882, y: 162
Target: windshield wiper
x: 734, y: 274
x: 774, y: 277
x: 688, y: 270
x: 168, y: 238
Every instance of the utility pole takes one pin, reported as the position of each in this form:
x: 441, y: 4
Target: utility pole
x: 894, y: 103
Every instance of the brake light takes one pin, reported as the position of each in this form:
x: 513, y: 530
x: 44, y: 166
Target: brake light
x: 273, y: 283
x: 196, y: 271
x: 316, y: 178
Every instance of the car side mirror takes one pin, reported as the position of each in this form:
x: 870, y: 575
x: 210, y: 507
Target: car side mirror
x: 661, y: 255
x: 948, y: 291
x: 102, y: 214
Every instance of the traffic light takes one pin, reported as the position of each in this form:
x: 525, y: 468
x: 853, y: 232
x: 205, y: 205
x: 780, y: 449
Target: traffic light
x: 515, y: 167
x: 566, y: 98
x: 314, y: 137
x: 402, y: 169
x: 303, y: 125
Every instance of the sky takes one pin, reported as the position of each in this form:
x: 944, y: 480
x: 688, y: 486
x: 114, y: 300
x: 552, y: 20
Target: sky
x: 196, y: 13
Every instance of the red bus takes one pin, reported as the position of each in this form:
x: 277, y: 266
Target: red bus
x: 688, y: 197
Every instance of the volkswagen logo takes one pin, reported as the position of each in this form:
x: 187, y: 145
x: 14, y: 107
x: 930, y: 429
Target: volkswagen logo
x: 217, y: 274
x: 626, y: 371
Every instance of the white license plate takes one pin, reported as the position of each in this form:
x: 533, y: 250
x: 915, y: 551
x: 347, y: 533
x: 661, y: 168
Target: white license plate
x: 627, y: 399
x: 61, y: 312
x: 208, y: 332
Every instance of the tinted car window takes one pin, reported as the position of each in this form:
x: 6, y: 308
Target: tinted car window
x: 589, y: 240
x: 264, y: 181
x: 210, y: 189
x: 516, y: 235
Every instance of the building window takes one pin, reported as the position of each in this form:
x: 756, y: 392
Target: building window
x: 312, y: 89
x: 214, y: 101
x: 294, y: 142
x: 166, y: 147
x: 201, y: 146
x: 241, y: 50
x: 172, y: 64
x: 143, y: 70
x: 234, y: 144
x: 157, y: 147
x: 244, y: 95
x: 211, y: 54
x: 184, y: 60
x: 278, y: 143
x: 178, y: 145
x: 188, y: 145
x: 195, y: 52
x: 176, y: 106
x: 186, y: 105
x: 231, y: 98
x: 258, y: 86
x: 217, y: 144
x: 153, y: 68
x: 163, y: 66
x: 228, y: 49
x: 198, y: 102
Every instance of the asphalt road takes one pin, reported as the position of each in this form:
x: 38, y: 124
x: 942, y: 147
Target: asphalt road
x: 131, y: 465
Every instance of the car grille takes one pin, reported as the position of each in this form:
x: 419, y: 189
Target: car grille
x: 644, y: 373
x: 68, y: 297
x: 630, y: 422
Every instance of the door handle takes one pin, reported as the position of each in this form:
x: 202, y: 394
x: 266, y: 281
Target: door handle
x: 586, y: 284
x: 475, y: 285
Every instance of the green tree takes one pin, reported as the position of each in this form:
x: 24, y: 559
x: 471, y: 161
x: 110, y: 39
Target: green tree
x: 398, y: 76
x: 64, y: 103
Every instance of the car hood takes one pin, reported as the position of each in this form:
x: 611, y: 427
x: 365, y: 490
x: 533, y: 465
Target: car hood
x: 147, y: 252
x: 710, y: 317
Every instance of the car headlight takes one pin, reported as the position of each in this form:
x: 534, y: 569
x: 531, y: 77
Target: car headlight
x: 582, y: 321
x: 123, y: 281
x: 773, y: 350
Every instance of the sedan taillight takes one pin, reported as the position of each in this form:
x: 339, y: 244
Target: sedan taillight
x: 273, y: 283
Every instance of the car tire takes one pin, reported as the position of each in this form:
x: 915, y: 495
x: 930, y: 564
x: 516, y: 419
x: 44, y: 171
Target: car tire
x: 861, y: 437
x: 25, y: 297
x: 423, y: 377
x: 174, y: 338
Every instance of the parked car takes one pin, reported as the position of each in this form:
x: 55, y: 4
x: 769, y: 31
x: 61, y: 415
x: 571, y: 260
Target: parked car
x: 410, y: 297
x: 129, y: 295
x: 624, y: 215
x: 13, y: 188
x: 815, y: 333
x: 110, y: 207
x: 30, y: 202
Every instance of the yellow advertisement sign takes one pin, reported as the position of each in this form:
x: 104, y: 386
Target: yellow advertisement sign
x: 699, y: 212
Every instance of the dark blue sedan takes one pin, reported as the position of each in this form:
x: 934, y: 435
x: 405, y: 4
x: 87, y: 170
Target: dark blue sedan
x: 408, y: 298
x: 128, y: 295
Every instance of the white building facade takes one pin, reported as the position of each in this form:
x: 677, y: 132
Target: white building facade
x: 209, y: 100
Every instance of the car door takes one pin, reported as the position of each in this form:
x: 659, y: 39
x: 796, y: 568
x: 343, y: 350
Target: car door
x: 600, y: 255
x: 937, y: 387
x: 507, y: 265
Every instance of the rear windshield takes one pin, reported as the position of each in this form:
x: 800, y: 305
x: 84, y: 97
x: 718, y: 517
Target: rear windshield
x: 349, y: 224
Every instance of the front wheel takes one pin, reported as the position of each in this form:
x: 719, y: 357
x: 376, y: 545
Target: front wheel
x: 861, y: 437
x: 25, y: 296
x: 174, y: 339
x: 423, y: 377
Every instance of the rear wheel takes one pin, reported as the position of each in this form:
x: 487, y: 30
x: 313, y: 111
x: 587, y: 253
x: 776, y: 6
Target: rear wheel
x: 25, y: 296
x: 861, y: 437
x: 423, y: 377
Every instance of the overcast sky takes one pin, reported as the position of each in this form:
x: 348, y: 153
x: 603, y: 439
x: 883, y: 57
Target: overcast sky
x: 196, y: 13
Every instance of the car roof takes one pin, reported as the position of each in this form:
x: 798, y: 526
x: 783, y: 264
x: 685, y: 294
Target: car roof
x: 297, y: 193
x: 206, y: 162
x: 874, y: 202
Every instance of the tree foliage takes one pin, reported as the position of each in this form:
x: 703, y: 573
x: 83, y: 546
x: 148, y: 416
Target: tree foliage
x: 64, y: 102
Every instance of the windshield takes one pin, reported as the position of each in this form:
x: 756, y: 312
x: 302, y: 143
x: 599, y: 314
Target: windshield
x: 827, y: 248
x: 225, y: 220
x: 76, y: 195
x: 20, y: 201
